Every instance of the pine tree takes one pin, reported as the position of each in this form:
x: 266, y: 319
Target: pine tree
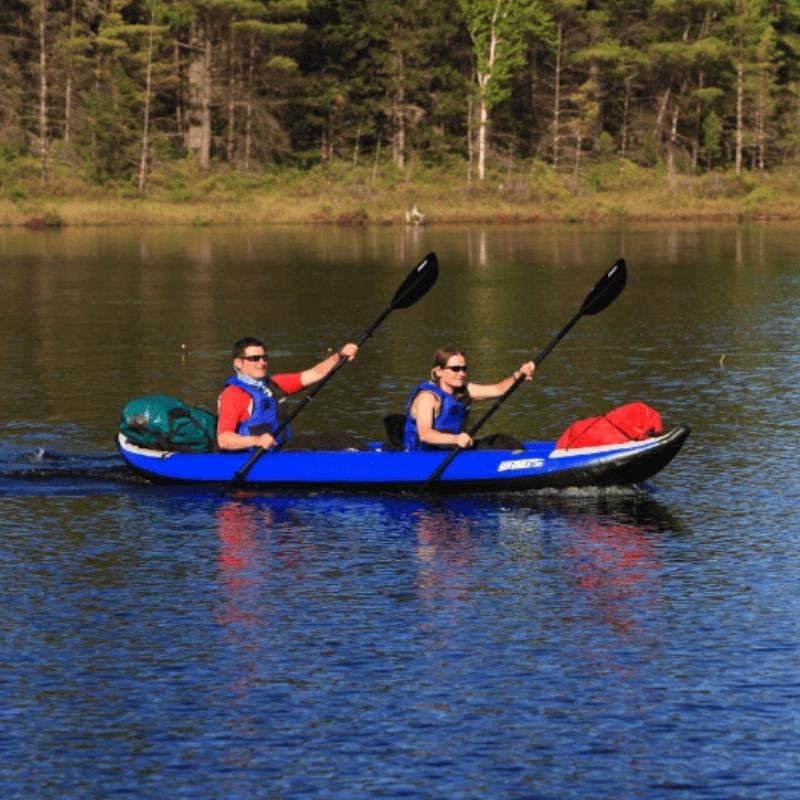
x: 13, y: 15
x: 711, y: 148
x: 268, y: 72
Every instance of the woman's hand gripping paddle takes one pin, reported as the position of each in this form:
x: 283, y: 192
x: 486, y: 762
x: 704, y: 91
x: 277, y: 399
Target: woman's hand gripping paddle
x: 415, y: 286
x: 602, y: 295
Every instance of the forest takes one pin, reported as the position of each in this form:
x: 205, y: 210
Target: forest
x: 116, y: 93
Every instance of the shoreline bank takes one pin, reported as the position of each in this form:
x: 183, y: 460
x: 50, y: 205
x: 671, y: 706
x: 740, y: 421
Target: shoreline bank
x: 55, y: 215
x: 435, y: 198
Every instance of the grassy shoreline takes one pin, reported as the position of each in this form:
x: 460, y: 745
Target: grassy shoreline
x: 605, y: 193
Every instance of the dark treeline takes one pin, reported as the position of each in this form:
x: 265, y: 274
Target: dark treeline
x: 117, y: 88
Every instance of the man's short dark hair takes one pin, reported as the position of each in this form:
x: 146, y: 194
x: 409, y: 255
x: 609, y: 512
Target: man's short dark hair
x: 242, y: 345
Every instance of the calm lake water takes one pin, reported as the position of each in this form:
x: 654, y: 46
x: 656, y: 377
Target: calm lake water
x: 167, y: 642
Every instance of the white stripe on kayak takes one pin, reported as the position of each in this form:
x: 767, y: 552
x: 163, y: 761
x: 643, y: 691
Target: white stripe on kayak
x: 129, y: 447
x: 644, y: 444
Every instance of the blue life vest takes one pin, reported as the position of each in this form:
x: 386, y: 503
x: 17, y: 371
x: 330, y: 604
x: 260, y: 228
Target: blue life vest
x: 452, y: 417
x: 266, y: 414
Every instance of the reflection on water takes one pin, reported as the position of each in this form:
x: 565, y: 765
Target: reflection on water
x: 445, y: 543
x: 243, y: 564
x: 617, y: 566
x: 255, y: 541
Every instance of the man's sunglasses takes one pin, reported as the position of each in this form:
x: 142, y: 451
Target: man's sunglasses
x: 261, y: 357
x: 457, y: 369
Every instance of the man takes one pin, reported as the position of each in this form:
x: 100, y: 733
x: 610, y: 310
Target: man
x: 249, y: 411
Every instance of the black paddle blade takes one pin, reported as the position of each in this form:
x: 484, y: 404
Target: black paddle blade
x: 607, y: 289
x: 422, y: 277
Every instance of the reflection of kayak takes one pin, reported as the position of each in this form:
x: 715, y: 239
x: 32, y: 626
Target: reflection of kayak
x: 537, y: 466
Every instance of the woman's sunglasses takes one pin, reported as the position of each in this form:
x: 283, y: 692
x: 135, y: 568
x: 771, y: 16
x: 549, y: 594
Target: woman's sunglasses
x: 261, y: 357
x: 457, y: 369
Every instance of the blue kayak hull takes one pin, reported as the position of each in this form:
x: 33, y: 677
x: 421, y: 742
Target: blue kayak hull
x: 537, y: 466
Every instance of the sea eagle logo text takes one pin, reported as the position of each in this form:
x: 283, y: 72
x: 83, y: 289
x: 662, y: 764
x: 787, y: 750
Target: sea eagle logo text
x: 520, y: 463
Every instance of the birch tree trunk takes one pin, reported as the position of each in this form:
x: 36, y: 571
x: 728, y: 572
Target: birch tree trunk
x: 398, y: 111
x: 557, y: 98
x: 761, y: 121
x: 179, y: 115
x: 626, y: 107
x: 739, y: 116
x: 248, y: 123
x: 662, y: 110
x: 148, y: 83
x: 470, y: 138
x: 356, y: 147
x: 698, y: 123
x: 44, y: 144
x: 376, y: 161
x: 229, y: 144
x: 483, y: 124
x: 484, y: 77
x: 68, y: 81
x: 761, y: 137
x: 672, y: 145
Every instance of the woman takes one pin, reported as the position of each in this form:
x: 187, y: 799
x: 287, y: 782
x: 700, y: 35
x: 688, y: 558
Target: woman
x: 436, y: 410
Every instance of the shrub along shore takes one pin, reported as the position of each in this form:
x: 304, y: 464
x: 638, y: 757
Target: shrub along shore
x: 609, y: 192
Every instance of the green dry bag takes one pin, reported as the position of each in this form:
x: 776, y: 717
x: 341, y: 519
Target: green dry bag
x: 161, y: 422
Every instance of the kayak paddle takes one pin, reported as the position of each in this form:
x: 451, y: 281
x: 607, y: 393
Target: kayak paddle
x: 415, y: 286
x: 602, y: 295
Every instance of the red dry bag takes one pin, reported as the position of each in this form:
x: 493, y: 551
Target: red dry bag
x: 627, y: 423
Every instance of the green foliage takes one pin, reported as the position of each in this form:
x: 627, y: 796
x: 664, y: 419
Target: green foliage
x: 109, y: 136
x: 180, y: 193
x: 762, y: 197
x: 649, y: 154
x: 282, y: 64
x: 723, y: 185
x: 707, y: 51
x: 545, y: 185
x: 361, y: 91
x: 500, y: 31
x: 606, y: 148
x: 274, y: 30
x: 225, y: 184
x: 712, y: 137
x: 52, y: 219
x: 17, y: 169
x: 708, y: 95
x: 10, y: 153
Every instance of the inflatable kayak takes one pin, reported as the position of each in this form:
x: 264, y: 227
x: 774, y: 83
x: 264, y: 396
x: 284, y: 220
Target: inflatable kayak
x: 538, y: 465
